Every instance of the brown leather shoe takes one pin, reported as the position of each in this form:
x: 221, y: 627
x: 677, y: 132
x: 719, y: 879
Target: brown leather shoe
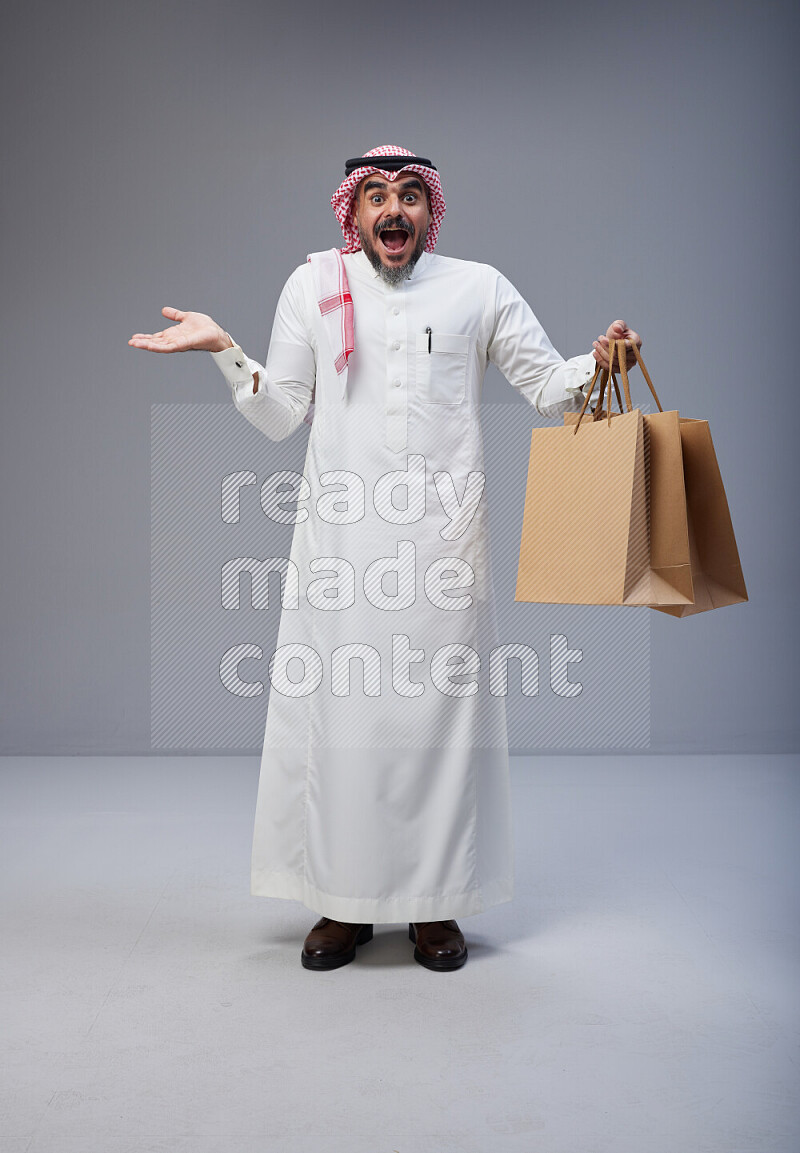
x: 333, y: 943
x: 440, y: 945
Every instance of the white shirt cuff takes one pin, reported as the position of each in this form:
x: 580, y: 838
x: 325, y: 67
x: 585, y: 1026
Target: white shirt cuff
x: 584, y: 368
x: 234, y: 366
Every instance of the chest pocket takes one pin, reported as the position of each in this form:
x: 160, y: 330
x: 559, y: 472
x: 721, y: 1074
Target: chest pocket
x: 442, y: 371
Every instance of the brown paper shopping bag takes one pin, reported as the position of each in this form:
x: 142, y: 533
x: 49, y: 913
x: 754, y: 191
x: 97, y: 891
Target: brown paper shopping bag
x: 586, y: 535
x: 716, y: 571
x: 670, y: 553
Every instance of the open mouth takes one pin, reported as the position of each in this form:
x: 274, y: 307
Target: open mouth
x: 395, y: 240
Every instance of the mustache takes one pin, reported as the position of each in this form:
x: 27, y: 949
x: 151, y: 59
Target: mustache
x: 397, y: 223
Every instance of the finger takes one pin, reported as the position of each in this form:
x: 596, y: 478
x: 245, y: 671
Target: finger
x: 600, y: 355
x: 173, y: 313
x: 153, y: 342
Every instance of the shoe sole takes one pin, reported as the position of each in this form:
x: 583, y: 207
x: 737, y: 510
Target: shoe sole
x: 336, y: 962
x: 437, y: 966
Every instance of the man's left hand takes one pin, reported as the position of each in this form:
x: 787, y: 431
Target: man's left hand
x: 616, y: 331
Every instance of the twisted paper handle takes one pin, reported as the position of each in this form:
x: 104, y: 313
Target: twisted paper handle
x: 616, y: 348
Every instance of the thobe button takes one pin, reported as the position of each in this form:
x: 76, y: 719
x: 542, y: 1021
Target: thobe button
x: 396, y: 345
x: 395, y: 312
x: 397, y: 383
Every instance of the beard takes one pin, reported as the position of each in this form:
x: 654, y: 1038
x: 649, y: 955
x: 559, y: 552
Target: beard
x: 392, y: 274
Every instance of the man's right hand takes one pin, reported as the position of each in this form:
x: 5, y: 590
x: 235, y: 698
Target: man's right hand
x: 194, y: 332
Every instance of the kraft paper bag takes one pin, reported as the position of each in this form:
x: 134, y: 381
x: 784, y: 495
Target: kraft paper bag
x: 668, y: 522
x: 605, y: 518
x: 716, y: 571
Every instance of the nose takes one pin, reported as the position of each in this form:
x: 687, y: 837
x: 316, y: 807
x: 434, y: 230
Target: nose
x: 393, y: 205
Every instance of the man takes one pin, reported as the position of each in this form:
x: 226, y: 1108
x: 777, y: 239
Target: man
x: 384, y: 787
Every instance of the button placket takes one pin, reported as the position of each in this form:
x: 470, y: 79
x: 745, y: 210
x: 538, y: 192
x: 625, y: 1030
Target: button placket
x: 396, y: 369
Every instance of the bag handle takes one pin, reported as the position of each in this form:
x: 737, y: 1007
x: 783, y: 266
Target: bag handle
x: 608, y: 377
x: 589, y: 392
x: 621, y: 356
x: 616, y: 390
x: 604, y: 374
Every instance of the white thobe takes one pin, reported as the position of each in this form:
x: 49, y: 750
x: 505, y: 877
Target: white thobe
x: 384, y: 788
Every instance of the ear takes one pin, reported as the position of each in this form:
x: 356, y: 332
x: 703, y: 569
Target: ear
x: 356, y: 202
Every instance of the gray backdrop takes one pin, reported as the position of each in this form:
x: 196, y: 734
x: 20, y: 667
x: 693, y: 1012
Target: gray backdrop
x: 611, y: 160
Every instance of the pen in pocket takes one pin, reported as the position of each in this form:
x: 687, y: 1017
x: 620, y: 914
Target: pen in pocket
x: 430, y: 334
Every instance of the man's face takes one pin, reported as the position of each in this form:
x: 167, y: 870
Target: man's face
x: 392, y: 219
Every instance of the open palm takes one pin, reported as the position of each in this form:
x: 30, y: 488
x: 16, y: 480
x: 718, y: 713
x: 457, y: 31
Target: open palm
x: 193, y: 331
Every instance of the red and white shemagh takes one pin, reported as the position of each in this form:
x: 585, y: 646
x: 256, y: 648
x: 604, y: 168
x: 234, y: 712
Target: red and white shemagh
x: 335, y: 303
x: 342, y: 199
x: 336, y: 308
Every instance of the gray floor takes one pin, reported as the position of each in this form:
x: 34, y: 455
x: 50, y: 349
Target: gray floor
x: 639, y: 995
